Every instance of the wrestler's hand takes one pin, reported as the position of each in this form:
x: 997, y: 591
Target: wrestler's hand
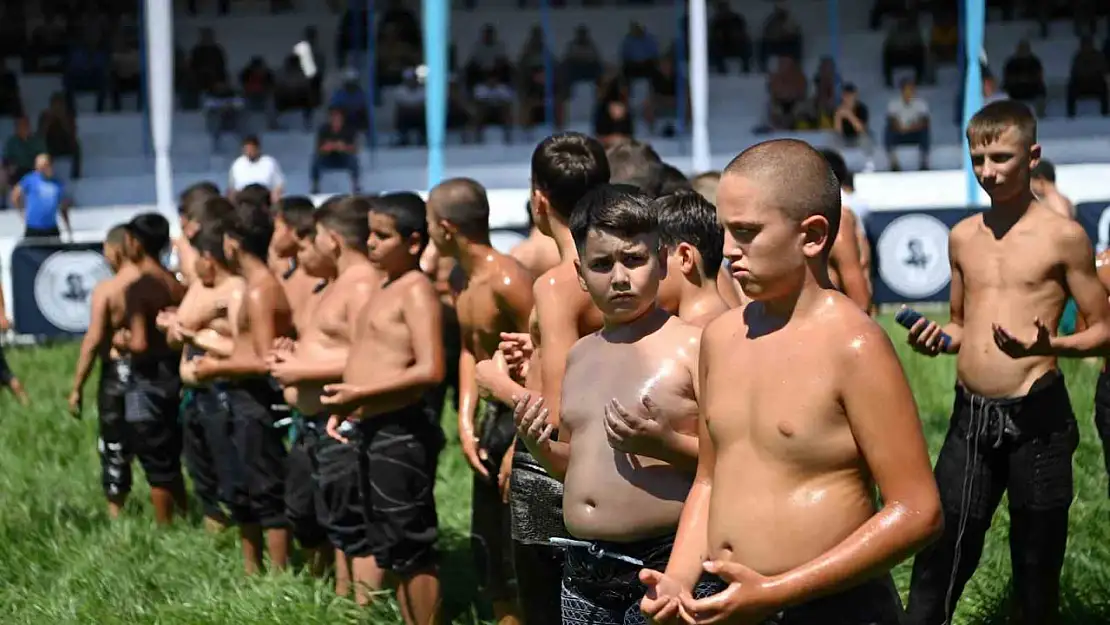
x: 1012, y: 346
x: 334, y: 422
x: 505, y: 474
x: 204, y: 368
x: 924, y: 337
x: 516, y: 348
x: 284, y: 344
x: 473, y: 455
x: 745, y: 600
x: 285, y: 368
x: 75, y: 403
x: 662, y: 601
x: 531, y: 420
x: 165, y: 319
x: 341, y: 394
x: 634, y: 433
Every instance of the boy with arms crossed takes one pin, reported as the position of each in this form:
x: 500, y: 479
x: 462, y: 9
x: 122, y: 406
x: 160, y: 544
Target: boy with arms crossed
x: 1012, y: 427
x: 183, y: 256
x: 496, y: 298
x: 804, y: 410
x: 106, y: 313
x: 399, y: 438
x: 621, y: 508
x: 330, y: 499
x: 292, y: 223
x: 249, y: 392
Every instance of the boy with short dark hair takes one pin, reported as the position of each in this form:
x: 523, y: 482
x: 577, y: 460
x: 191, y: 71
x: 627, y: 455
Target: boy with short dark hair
x: 293, y: 221
x: 399, y: 435
x: 694, y: 240
x: 621, y: 506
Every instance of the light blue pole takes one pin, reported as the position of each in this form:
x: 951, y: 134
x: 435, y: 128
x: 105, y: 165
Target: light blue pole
x: 371, y: 80
x: 548, y: 62
x: 974, y: 18
x: 834, y: 39
x: 437, y: 17
x: 144, y: 79
x: 681, y: 53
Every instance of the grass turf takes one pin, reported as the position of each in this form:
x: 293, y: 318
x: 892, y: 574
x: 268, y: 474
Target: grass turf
x: 62, y: 561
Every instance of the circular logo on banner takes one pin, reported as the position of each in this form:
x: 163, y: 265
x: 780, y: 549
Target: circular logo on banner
x: 64, y: 284
x: 505, y: 240
x: 913, y: 255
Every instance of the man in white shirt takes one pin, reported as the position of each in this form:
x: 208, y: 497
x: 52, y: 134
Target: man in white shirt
x: 907, y: 124
x: 254, y: 167
x: 493, y: 105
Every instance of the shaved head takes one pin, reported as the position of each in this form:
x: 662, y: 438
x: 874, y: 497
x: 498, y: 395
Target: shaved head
x: 463, y: 203
x: 794, y: 178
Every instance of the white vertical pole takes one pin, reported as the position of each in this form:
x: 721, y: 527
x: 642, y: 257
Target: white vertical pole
x: 699, y: 85
x: 159, y: 53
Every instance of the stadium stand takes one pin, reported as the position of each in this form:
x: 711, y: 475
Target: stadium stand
x: 115, y: 169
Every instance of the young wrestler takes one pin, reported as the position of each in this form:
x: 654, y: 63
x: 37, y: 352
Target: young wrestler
x: 249, y: 391
x: 183, y: 258
x: 200, y: 325
x: 804, y: 410
x: 152, y: 385
x: 1102, y: 387
x: 850, y: 259
x: 7, y: 378
x: 694, y: 240
x: 398, y: 434
x: 496, y: 298
x: 106, y: 313
x: 538, y: 253
x: 1043, y: 183
x: 1012, y: 426
x: 320, y: 357
x: 292, y: 223
x: 622, y: 505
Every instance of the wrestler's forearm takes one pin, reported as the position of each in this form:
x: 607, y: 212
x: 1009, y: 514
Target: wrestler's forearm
x: 236, y: 367
x: 324, y: 370
x: 1094, y: 340
x: 394, y: 393
x: 85, y: 360
x: 552, y: 455
x: 503, y: 389
x: 893, y: 534
x: 691, y: 543
x: 681, y: 451
x: 955, y: 332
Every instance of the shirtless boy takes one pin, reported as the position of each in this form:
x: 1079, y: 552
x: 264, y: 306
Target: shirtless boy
x: 804, y: 410
x: 200, y: 325
x: 292, y: 223
x: 621, y: 506
x: 115, y: 461
x: 399, y: 436
x: 496, y: 298
x: 183, y: 258
x: 1043, y: 183
x: 330, y: 500
x: 694, y: 241
x: 1012, y: 426
x: 250, y: 393
x: 150, y: 377
x: 538, y: 253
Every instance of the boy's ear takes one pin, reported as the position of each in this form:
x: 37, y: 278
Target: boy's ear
x: 578, y: 271
x: 688, y: 258
x: 416, y: 244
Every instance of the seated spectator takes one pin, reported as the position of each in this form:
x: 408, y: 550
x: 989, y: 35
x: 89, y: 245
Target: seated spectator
x: 944, y: 37
x: 662, y: 100
x: 207, y: 62
x: 185, y: 81
x: 257, y: 82
x: 21, y: 149
x: 904, y: 47
x: 336, y: 149
x: 402, y: 21
x: 316, y: 82
x: 825, y: 100
x: 781, y: 37
x: 533, y: 55
x: 581, y: 61
x: 395, y: 56
x: 883, y: 8
x: 49, y: 45
x: 125, y: 74
x: 493, y: 105
x: 58, y: 130
x: 907, y: 124
x: 460, y: 111
x: 787, y: 87
x: 255, y: 168
x: 87, y: 71
x: 41, y: 199
x: 409, y: 112
x: 851, y: 117
x: 293, y: 91
x: 533, y: 100
x: 1088, y: 77
x: 488, y: 58
x: 11, y: 100
x: 639, y: 52
x: 351, y: 100
x: 1023, y: 77
x: 223, y: 109
x: 729, y: 39
x: 991, y: 92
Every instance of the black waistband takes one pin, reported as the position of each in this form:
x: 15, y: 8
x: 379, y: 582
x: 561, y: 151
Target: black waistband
x: 1044, y: 410
x: 1043, y: 387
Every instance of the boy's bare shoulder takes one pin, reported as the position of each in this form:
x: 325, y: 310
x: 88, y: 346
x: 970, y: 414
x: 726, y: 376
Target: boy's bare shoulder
x: 965, y: 228
x: 680, y: 333
x: 724, y: 328
x: 418, y: 286
x: 853, y: 335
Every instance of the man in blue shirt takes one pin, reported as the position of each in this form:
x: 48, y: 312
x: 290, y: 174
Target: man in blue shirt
x: 40, y: 199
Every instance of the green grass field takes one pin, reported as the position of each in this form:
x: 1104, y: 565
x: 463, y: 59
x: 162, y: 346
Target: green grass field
x: 62, y: 561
